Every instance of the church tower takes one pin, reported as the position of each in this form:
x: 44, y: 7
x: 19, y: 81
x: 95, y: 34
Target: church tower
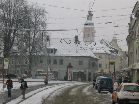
x: 89, y: 31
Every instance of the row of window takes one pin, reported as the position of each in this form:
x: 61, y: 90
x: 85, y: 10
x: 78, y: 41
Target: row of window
x: 100, y: 65
x: 107, y: 56
x: 54, y: 62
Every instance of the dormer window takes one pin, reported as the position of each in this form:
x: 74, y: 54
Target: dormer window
x: 51, y: 50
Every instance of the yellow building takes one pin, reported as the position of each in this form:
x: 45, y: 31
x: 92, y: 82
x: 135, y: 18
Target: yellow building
x: 106, y: 55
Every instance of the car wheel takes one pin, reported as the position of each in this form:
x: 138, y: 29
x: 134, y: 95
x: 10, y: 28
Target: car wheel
x: 119, y: 101
x: 95, y: 87
x: 111, y: 91
x: 113, y: 102
x: 99, y: 90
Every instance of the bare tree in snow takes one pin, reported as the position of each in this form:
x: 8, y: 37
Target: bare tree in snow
x: 21, y: 26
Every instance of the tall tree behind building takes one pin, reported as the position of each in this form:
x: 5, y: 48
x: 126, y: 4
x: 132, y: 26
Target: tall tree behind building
x: 21, y: 26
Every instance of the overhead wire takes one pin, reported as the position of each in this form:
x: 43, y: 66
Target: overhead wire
x: 82, y: 10
x: 97, y: 17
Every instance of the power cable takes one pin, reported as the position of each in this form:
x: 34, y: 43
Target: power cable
x: 82, y: 10
x: 97, y: 17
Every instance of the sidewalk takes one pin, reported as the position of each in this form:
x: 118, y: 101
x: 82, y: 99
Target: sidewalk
x: 16, y: 93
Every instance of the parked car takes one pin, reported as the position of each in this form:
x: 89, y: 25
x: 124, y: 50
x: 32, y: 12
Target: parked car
x: 97, y: 81
x: 105, y: 84
x: 126, y: 93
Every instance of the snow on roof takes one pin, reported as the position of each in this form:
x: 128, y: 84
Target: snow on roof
x: 67, y: 47
x: 97, y: 47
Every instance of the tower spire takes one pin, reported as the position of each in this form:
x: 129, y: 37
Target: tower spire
x: 90, y: 15
x: 90, y: 12
x: 89, y: 31
x: 91, y: 4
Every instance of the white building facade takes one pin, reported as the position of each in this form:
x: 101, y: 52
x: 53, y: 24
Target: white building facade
x: 133, y: 43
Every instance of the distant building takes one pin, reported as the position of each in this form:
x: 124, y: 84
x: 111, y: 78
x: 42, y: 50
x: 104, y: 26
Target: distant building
x: 108, y: 52
x: 61, y: 52
x: 89, y: 31
x: 133, y: 43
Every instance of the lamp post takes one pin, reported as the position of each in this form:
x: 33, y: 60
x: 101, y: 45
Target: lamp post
x: 3, y: 73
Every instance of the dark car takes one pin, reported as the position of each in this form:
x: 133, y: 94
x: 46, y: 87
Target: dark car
x: 97, y: 81
x: 105, y: 84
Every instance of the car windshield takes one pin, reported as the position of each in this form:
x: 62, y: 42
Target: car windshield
x: 133, y: 88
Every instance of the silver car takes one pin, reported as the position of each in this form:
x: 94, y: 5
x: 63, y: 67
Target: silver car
x: 126, y: 93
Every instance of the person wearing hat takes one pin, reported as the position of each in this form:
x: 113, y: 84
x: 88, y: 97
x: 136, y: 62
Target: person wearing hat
x: 23, y: 87
x: 138, y: 81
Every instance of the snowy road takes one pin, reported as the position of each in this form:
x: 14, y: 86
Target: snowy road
x: 66, y: 92
x: 33, y: 84
x: 80, y: 94
x: 43, y: 93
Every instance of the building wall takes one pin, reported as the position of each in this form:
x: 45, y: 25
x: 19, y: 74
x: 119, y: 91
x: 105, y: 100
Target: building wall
x: 133, y: 44
x: 89, y: 34
x: 19, y: 65
x: 85, y: 67
x: 103, y: 62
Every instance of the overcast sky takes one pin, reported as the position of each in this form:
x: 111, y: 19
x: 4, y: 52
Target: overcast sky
x: 71, y: 14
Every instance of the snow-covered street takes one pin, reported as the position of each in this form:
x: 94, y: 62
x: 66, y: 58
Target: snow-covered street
x: 55, y: 93
x: 42, y: 93
x: 35, y: 86
x: 80, y: 94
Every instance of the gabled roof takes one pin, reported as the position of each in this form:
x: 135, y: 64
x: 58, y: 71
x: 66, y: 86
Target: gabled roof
x: 67, y: 47
x: 137, y: 3
x: 97, y: 47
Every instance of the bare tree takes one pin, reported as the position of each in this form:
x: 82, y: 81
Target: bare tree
x: 11, y: 19
x: 36, y: 24
x: 22, y: 26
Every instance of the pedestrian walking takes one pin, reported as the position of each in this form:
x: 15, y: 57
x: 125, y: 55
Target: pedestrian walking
x: 138, y: 82
x: 125, y: 80
x: 9, y: 84
x: 94, y: 83
x: 23, y: 87
x: 119, y: 81
x: 46, y: 80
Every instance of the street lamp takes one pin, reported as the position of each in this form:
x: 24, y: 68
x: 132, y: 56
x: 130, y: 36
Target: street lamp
x: 2, y: 69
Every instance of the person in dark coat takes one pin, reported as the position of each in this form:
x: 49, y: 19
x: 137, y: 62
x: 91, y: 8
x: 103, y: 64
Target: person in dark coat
x: 125, y: 80
x: 119, y: 80
x: 46, y: 80
x: 23, y: 87
x: 9, y: 84
x: 138, y: 82
x: 94, y: 82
